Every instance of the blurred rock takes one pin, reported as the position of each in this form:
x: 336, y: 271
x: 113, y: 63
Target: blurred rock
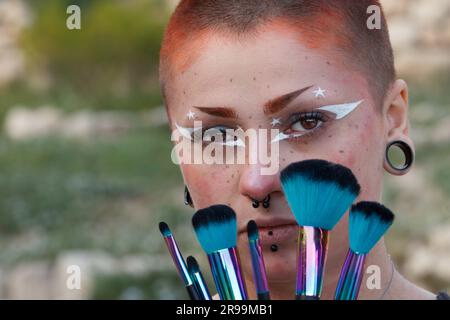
x: 89, y: 263
x: 2, y: 285
x: 420, y: 36
x: 431, y: 259
x: 30, y: 280
x: 92, y: 263
x: 22, y: 123
x: 14, y: 15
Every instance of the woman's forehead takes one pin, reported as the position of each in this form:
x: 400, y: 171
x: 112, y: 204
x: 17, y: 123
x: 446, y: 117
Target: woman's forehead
x: 265, y: 67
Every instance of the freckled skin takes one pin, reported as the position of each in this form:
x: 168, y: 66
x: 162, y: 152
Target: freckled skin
x: 220, y: 76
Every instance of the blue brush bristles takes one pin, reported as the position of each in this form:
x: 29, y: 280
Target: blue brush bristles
x: 192, y: 264
x: 164, y: 228
x: 368, y: 222
x: 216, y: 228
x: 319, y: 192
x: 252, y: 230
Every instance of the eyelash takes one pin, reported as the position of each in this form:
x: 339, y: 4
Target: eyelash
x: 303, y: 116
x: 314, y: 115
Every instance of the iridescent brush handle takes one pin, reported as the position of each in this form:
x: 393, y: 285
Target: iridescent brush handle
x: 181, y: 267
x: 351, y: 277
x: 312, y: 250
x: 226, y: 271
x: 259, y: 270
x: 200, y: 286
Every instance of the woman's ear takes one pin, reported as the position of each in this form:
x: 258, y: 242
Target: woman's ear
x: 395, y: 111
x: 395, y: 115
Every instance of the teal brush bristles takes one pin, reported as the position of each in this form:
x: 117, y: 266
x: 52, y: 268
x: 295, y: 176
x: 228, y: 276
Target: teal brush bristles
x: 319, y: 192
x: 368, y: 222
x: 216, y: 228
x: 164, y: 228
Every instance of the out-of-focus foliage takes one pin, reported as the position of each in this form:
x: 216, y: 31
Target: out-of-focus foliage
x: 114, y: 55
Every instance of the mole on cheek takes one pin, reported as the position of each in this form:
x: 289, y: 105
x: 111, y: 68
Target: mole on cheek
x: 231, y: 80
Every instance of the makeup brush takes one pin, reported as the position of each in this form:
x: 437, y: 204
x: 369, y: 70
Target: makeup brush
x: 216, y: 230
x: 318, y: 193
x: 368, y: 222
x: 259, y: 269
x: 197, y: 277
x: 178, y: 261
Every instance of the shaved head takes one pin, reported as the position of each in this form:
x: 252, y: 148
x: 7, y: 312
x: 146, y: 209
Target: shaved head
x: 335, y: 27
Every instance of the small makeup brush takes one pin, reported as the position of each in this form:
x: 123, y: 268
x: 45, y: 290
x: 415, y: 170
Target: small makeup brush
x: 197, y: 277
x: 178, y: 261
x: 368, y: 222
x: 259, y: 269
x: 216, y: 230
x: 319, y: 193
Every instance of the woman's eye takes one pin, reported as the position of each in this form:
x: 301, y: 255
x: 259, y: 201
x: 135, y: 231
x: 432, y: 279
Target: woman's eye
x: 307, y: 122
x: 218, y: 135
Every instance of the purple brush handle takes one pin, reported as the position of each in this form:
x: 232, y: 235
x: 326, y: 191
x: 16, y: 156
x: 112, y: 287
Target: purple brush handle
x: 312, y: 250
x: 351, y: 277
x: 259, y: 270
x: 178, y: 260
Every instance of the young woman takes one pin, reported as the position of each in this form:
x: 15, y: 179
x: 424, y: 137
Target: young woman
x: 261, y: 64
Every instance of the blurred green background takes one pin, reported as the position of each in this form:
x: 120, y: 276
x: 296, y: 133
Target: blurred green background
x: 85, y: 170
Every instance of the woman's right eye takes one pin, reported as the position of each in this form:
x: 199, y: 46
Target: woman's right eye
x: 220, y: 135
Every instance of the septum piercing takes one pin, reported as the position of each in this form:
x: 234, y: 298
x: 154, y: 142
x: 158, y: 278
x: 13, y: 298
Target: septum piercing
x: 265, y: 202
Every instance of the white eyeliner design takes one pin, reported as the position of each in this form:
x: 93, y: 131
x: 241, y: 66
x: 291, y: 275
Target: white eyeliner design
x: 275, y: 121
x: 319, y: 92
x: 191, y: 115
x: 340, y: 110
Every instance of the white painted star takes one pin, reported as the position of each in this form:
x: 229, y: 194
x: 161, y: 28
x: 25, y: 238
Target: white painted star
x: 191, y: 115
x: 319, y: 92
x: 275, y: 121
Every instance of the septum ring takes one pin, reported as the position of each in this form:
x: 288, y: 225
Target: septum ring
x: 265, y: 202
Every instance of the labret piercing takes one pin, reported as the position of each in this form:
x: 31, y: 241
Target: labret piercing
x: 273, y: 247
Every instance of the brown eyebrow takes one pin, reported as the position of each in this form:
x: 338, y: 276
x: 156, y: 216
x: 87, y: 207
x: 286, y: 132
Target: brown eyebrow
x: 277, y: 104
x: 219, y: 112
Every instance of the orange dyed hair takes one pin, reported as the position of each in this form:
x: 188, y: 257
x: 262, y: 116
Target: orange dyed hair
x: 341, y: 24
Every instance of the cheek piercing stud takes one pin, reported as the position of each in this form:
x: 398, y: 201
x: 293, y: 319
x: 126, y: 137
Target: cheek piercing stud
x: 274, y: 248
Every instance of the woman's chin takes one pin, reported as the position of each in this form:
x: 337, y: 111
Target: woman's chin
x: 281, y: 266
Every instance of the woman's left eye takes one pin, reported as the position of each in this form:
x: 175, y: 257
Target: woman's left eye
x: 307, y: 122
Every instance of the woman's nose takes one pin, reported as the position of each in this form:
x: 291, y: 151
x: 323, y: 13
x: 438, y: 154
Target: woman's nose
x: 257, y: 186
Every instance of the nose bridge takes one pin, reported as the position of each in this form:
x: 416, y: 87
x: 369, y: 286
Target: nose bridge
x: 255, y: 185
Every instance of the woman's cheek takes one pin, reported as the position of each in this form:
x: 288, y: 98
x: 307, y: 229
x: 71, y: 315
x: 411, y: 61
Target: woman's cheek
x: 209, y: 184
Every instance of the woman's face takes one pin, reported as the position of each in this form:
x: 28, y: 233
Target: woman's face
x: 244, y: 76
